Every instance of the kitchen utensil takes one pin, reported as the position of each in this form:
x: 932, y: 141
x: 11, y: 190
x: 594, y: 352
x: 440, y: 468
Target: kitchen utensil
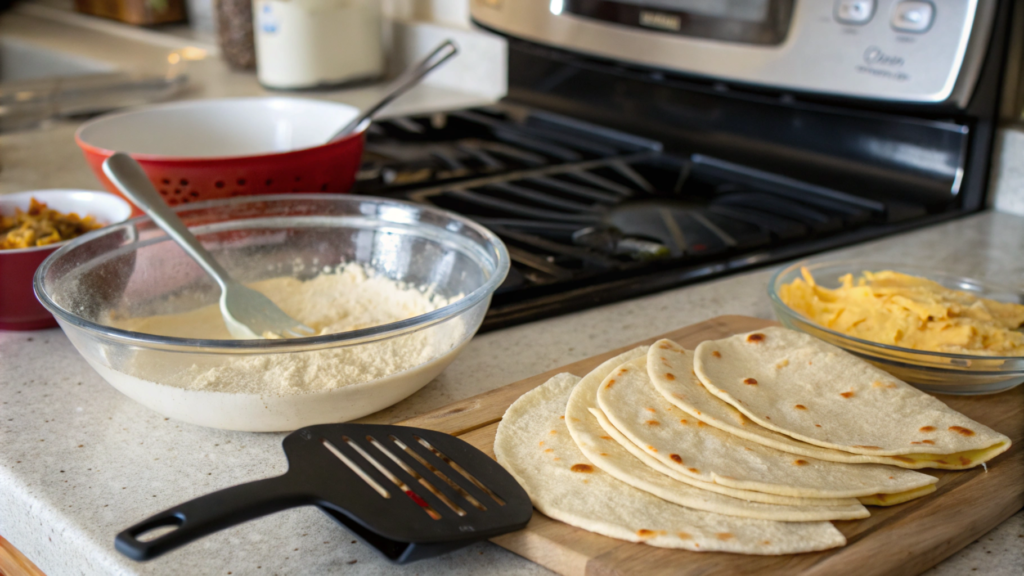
x: 936, y: 372
x: 220, y: 148
x: 302, y: 44
x: 256, y: 238
x: 407, y: 79
x: 247, y: 313
x: 894, y: 540
x: 410, y: 493
x: 19, y: 308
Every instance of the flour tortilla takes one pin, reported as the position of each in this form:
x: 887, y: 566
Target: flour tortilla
x: 670, y: 367
x: 603, y: 450
x: 636, y: 409
x: 850, y: 404
x: 597, y: 502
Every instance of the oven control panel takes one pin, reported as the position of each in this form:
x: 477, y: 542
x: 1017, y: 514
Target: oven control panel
x: 922, y: 51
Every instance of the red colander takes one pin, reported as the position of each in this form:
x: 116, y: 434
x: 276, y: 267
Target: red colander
x: 179, y: 146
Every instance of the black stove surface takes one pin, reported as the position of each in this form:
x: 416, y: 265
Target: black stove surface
x: 591, y: 215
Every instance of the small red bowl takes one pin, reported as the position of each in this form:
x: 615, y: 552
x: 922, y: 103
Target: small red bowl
x: 19, y: 308
x: 209, y: 149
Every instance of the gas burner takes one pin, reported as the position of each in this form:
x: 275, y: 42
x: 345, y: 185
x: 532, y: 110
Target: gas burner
x: 451, y: 146
x: 591, y: 215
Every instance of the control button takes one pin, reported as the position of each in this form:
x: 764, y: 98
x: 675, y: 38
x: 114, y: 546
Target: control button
x: 855, y: 11
x: 913, y: 16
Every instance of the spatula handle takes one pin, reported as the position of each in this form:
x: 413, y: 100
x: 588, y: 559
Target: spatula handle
x: 207, y: 514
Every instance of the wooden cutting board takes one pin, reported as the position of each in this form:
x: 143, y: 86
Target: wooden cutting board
x: 899, y: 540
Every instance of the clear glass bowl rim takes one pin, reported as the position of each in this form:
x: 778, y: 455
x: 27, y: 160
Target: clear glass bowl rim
x: 874, y: 265
x: 342, y: 339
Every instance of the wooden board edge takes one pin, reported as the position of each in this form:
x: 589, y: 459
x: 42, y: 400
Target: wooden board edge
x: 14, y: 563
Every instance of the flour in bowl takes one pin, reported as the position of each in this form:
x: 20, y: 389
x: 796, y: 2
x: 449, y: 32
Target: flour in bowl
x: 348, y: 299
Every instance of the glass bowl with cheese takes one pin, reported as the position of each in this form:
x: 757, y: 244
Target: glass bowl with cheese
x: 941, y: 332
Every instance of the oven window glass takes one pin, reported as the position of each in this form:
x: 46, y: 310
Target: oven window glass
x: 745, y: 21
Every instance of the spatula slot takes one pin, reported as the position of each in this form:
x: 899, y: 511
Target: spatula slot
x: 355, y: 468
x: 469, y: 497
x: 394, y: 479
x: 454, y: 465
x: 416, y: 476
x: 154, y: 532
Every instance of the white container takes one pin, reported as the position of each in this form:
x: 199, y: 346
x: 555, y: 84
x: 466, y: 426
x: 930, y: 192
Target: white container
x: 314, y: 43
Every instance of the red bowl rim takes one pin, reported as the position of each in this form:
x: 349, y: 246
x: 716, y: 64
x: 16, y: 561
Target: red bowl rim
x: 93, y: 149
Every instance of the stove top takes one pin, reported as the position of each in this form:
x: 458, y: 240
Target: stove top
x: 592, y: 215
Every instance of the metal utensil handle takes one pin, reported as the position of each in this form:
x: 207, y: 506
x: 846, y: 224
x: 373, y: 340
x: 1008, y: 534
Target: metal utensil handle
x: 131, y: 180
x: 405, y: 80
x: 207, y: 514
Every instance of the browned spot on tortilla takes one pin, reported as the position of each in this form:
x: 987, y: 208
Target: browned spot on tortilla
x: 755, y: 337
x: 623, y: 371
x: 767, y: 417
x: 700, y: 424
x: 541, y: 443
x: 678, y: 395
x: 927, y: 441
x: 716, y: 353
x: 866, y: 447
x: 549, y: 450
x: 554, y: 432
x: 606, y: 437
x: 892, y: 477
x: 942, y: 462
x: 800, y: 407
x: 903, y: 459
x: 799, y: 462
x: 926, y: 428
x: 915, y: 442
x: 610, y: 383
x: 750, y: 381
x: 698, y: 412
x: 880, y: 384
x: 882, y: 497
x: 652, y: 448
x: 782, y: 364
x: 683, y: 422
x: 846, y: 394
x: 574, y: 419
x: 652, y: 423
x: 582, y: 468
x: 670, y: 376
x: 676, y: 458
x: 602, y: 454
x: 818, y: 425
x: 650, y: 409
x: 809, y: 362
x: 555, y: 459
x: 649, y: 533
x: 724, y: 536
x: 694, y: 470
x: 562, y: 417
x: 964, y: 460
x: 962, y: 431
x: 683, y: 535
x: 664, y: 346
x: 696, y: 545
x: 766, y: 542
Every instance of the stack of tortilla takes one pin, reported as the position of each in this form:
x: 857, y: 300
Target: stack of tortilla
x: 750, y: 444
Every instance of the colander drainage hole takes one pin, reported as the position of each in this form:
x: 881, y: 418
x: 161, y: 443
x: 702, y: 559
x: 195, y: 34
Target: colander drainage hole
x: 241, y: 181
x: 164, y: 192
x: 219, y: 183
x: 323, y: 187
x: 194, y: 194
x: 166, y: 180
x: 184, y: 182
x: 269, y: 182
x: 177, y: 191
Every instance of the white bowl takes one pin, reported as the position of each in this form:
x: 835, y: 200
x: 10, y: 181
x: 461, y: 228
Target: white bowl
x: 106, y: 208
x: 218, y: 128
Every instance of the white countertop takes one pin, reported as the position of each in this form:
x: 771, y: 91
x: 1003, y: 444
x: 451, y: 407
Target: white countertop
x: 80, y: 462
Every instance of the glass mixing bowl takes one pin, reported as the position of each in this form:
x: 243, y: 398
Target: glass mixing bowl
x: 134, y: 270
x: 937, y: 372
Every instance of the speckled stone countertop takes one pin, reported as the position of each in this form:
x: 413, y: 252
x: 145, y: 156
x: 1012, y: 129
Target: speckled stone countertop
x: 81, y: 462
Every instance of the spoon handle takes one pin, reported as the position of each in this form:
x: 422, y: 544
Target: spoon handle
x: 132, y: 181
x: 407, y: 79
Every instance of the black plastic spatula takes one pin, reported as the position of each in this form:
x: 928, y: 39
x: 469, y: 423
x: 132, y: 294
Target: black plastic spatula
x: 408, y: 492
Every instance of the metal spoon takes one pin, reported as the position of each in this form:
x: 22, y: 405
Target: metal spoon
x: 405, y: 80
x: 247, y: 313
